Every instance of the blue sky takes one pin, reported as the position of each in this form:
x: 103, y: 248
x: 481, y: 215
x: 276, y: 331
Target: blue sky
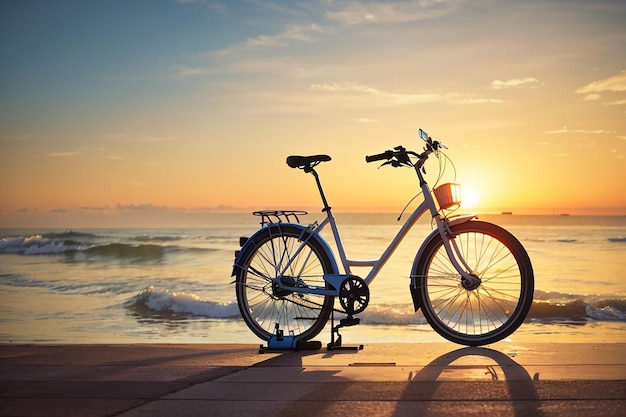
x: 193, y: 105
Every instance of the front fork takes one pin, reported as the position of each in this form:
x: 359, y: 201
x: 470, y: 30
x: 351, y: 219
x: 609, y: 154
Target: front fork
x: 469, y: 280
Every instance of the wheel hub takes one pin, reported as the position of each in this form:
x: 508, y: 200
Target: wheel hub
x: 286, y: 281
x: 471, y: 285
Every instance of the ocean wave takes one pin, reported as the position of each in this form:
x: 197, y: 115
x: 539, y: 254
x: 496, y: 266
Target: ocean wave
x: 69, y: 287
x: 553, y: 240
x: 162, y: 301
x: 617, y: 239
x: 150, y: 238
x: 125, y: 251
x: 39, y: 245
x: 606, y: 313
x: 84, y: 246
x: 69, y: 234
x: 573, y: 311
x: 555, y: 296
x: 391, y: 315
x: 152, y: 301
x: 577, y: 310
x: 547, y: 310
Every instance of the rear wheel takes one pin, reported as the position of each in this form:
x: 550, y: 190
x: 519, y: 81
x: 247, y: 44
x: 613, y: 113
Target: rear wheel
x: 489, y: 312
x: 264, y: 306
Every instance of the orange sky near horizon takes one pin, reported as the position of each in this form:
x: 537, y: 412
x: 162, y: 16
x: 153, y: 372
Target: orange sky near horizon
x: 185, y: 108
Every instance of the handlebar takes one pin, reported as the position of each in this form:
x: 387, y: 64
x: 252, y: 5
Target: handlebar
x: 399, y: 156
x: 379, y: 157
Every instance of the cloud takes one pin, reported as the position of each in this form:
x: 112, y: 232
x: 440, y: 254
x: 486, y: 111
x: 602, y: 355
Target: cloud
x: 151, y: 208
x: 592, y: 97
x: 358, y: 91
x: 211, y: 209
x: 144, y: 208
x: 615, y: 83
x: 138, y: 136
x: 96, y: 208
x: 564, y: 129
x: 63, y: 154
x: 60, y: 211
x: 259, y: 54
x: 292, y: 34
x: 299, y: 33
x: 517, y: 82
x: 346, y: 87
x: 355, y: 13
x: 615, y: 103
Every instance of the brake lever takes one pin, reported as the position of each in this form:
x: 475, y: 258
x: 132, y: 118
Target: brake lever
x: 438, y: 145
x: 394, y: 163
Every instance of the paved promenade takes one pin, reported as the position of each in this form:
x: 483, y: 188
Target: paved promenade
x: 506, y: 379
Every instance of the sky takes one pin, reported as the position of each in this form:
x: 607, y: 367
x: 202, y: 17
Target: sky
x: 161, y: 112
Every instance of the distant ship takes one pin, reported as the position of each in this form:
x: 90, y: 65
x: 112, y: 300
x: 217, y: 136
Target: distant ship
x: 508, y: 213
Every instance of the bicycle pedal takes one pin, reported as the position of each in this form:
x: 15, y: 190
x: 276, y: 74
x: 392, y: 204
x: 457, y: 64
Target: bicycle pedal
x: 349, y: 321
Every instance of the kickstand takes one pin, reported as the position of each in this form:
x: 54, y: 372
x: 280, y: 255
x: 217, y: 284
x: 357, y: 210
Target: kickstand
x: 336, y: 343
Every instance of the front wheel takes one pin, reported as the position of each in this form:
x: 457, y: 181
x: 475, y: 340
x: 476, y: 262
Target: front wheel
x: 493, y: 310
x: 264, y: 306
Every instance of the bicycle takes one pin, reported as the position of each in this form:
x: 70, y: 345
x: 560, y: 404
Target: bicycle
x: 472, y: 280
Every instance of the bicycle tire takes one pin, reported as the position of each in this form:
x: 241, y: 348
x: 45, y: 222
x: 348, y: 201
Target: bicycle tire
x: 490, y: 312
x: 262, y: 304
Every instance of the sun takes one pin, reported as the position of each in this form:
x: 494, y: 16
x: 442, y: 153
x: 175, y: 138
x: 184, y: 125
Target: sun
x: 469, y: 197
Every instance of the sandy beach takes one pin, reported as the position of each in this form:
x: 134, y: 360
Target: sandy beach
x: 505, y: 379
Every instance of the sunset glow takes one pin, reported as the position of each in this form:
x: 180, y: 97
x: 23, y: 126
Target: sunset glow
x: 161, y: 112
x: 470, y: 198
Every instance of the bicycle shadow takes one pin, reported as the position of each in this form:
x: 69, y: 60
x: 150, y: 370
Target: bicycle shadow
x: 510, y: 382
x: 467, y: 379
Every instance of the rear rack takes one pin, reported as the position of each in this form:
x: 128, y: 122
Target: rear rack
x: 279, y: 216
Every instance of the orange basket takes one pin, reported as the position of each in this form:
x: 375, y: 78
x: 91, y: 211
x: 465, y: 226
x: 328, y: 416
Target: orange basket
x: 448, y: 195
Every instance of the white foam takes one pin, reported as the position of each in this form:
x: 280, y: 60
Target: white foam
x: 386, y: 314
x: 186, y: 303
x: 608, y: 313
x: 37, y: 245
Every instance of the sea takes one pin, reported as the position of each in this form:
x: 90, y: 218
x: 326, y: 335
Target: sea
x: 174, y: 285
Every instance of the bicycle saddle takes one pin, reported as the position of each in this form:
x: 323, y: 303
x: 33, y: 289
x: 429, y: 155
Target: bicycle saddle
x: 306, y: 162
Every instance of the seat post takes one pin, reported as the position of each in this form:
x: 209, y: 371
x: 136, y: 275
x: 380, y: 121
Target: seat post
x: 321, y: 190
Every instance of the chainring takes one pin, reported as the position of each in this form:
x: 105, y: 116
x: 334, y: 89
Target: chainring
x: 354, y: 295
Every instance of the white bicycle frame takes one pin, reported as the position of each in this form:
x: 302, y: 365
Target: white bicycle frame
x: 335, y: 280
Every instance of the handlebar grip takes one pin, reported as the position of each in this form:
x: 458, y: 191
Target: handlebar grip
x: 379, y: 157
